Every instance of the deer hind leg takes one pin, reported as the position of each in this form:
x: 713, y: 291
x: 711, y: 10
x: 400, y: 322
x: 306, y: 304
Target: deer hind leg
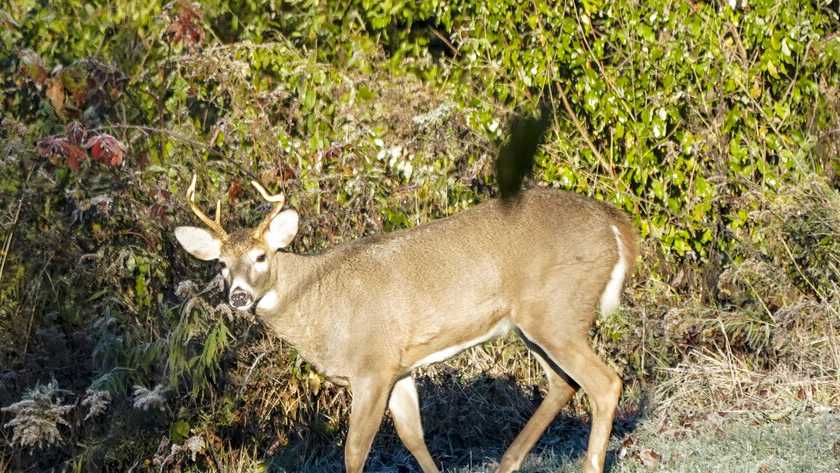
x: 370, y: 395
x: 575, y: 357
x: 560, y: 391
x: 405, y: 409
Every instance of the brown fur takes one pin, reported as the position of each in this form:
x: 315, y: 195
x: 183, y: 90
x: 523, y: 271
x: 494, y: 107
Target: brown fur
x: 367, y: 312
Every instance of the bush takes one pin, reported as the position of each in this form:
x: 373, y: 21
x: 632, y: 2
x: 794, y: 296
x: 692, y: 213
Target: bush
x: 707, y: 123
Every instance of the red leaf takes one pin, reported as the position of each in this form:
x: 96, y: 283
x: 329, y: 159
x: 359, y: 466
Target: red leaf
x: 50, y: 146
x: 234, y: 190
x: 74, y: 154
x: 186, y: 28
x: 73, y: 163
x: 53, y: 147
x: 106, y: 149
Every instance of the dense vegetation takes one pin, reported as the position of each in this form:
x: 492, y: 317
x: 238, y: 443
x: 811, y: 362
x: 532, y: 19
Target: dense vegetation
x: 715, y: 125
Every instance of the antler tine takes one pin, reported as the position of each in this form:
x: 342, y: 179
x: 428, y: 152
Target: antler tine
x: 277, y: 199
x: 281, y: 197
x: 214, y: 225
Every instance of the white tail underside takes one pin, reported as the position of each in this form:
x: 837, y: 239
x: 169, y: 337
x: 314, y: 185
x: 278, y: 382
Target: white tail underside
x: 611, y: 296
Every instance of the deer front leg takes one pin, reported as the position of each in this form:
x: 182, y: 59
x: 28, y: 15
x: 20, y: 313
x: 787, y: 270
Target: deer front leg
x: 405, y: 409
x: 370, y: 395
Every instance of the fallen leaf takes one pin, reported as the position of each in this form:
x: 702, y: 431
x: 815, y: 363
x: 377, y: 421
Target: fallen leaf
x: 649, y: 458
x: 55, y: 92
x: 626, y: 445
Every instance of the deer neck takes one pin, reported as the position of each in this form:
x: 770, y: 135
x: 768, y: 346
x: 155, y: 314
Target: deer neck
x: 293, y: 306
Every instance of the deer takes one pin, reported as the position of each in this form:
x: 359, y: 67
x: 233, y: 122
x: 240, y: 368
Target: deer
x: 368, y: 312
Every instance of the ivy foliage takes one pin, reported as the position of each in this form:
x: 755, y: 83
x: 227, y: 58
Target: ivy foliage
x: 668, y: 109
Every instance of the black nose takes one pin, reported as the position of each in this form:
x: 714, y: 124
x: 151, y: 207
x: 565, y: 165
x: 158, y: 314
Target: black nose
x: 240, y: 298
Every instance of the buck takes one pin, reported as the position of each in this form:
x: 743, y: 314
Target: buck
x: 367, y: 313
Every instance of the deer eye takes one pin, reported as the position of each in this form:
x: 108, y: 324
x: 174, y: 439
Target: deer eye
x: 261, y: 258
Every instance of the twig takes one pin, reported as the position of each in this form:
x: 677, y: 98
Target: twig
x: 583, y: 132
x: 160, y: 104
x: 212, y: 453
x: 741, y: 49
x: 597, y: 61
x: 760, y: 299
x: 138, y: 235
x: 185, y: 139
x: 8, y: 244
x: 32, y: 306
x: 799, y: 270
x: 730, y: 358
x: 443, y: 38
x: 171, y: 134
x: 250, y: 371
x: 796, y: 73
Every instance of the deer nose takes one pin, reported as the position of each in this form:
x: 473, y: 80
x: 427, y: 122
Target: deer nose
x: 239, y: 298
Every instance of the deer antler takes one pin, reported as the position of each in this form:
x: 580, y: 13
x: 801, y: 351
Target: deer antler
x: 214, y: 225
x: 277, y: 199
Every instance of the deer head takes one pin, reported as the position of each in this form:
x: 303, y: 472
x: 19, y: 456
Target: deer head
x: 246, y: 255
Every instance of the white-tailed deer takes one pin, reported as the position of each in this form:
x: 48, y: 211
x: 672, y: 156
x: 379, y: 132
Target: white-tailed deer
x: 367, y: 313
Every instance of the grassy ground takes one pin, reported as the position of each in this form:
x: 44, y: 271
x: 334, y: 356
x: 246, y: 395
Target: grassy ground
x: 803, y: 444
x: 734, y: 442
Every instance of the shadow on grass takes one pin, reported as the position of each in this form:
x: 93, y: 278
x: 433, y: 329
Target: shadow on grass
x: 468, y: 426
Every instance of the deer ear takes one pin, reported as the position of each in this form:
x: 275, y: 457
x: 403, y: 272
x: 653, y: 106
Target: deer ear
x: 199, y: 242
x: 282, y: 230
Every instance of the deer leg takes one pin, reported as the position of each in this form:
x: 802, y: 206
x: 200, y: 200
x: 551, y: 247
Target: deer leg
x: 560, y: 391
x: 369, y: 399
x: 576, y: 358
x: 405, y: 409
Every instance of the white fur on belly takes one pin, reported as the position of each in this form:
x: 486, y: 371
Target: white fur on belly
x: 499, y: 329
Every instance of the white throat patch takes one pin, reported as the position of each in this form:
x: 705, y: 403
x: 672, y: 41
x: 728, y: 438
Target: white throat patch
x: 269, y: 301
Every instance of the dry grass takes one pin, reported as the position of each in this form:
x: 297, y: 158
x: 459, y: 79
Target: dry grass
x: 725, y: 383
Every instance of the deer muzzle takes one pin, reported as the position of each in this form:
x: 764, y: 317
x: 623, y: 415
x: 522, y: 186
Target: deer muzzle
x: 241, y: 299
